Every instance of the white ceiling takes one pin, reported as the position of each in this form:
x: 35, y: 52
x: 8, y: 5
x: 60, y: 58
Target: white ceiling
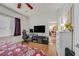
x: 38, y: 8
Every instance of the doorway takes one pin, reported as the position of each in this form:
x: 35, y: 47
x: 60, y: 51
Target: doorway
x: 52, y: 39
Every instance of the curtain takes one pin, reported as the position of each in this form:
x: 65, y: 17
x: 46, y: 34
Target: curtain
x: 17, y: 27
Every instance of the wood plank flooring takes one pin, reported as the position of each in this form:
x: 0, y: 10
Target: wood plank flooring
x: 48, y: 49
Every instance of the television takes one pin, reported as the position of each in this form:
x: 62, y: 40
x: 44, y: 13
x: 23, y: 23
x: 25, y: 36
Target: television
x: 39, y: 29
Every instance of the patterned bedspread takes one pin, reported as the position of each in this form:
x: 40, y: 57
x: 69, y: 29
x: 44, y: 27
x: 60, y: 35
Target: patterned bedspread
x: 17, y: 49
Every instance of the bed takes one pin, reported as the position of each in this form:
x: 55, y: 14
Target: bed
x: 8, y: 48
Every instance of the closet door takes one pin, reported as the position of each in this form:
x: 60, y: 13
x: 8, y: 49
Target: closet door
x: 5, y: 29
x: 63, y: 40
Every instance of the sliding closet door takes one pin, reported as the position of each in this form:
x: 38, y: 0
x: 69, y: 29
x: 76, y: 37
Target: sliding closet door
x: 17, y: 27
x: 5, y: 29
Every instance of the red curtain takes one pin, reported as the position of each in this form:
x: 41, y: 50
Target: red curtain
x: 17, y: 27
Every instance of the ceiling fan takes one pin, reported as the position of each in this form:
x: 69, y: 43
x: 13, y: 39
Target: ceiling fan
x: 27, y: 4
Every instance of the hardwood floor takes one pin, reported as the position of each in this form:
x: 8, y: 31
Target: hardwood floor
x: 52, y: 49
x: 37, y: 45
x: 52, y: 46
x: 48, y: 49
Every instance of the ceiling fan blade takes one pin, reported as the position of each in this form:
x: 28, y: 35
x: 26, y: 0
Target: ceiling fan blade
x: 19, y: 5
x: 29, y: 5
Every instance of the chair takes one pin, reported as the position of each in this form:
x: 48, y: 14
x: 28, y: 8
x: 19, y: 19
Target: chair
x: 25, y: 36
x: 35, y: 37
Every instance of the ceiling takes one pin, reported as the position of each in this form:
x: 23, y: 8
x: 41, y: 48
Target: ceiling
x: 38, y: 8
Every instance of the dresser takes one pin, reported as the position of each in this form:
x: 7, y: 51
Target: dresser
x: 63, y: 40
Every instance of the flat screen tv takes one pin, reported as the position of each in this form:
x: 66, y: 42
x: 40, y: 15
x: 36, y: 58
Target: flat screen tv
x: 39, y: 29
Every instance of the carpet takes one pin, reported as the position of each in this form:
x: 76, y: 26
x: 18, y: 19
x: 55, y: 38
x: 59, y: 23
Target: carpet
x: 17, y: 49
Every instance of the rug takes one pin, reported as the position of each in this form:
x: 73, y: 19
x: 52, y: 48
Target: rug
x: 17, y: 49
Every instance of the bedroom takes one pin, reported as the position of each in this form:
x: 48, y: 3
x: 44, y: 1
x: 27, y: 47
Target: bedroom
x: 11, y: 33
x: 36, y: 20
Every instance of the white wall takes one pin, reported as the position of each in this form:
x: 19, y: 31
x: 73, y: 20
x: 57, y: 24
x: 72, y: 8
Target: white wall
x: 10, y: 15
x: 65, y: 14
x: 24, y: 19
x: 46, y: 17
x: 41, y: 19
x: 76, y: 28
x: 62, y: 14
x: 75, y: 21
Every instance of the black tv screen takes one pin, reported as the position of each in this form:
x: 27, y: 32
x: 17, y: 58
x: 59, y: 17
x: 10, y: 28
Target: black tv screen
x: 39, y: 29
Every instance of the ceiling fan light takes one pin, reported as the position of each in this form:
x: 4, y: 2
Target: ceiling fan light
x: 29, y: 5
x: 19, y: 5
